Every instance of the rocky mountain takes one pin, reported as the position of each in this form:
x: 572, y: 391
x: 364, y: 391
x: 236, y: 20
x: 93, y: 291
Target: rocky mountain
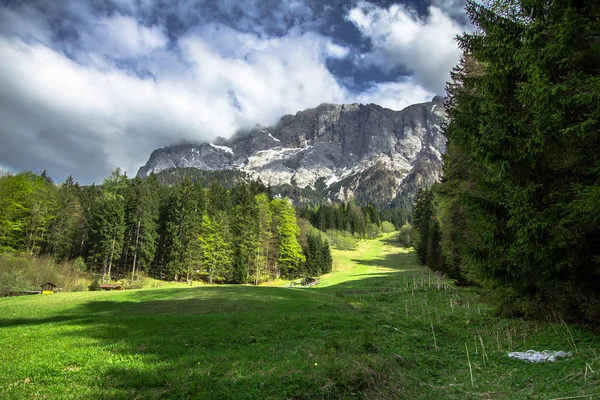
x: 365, y: 152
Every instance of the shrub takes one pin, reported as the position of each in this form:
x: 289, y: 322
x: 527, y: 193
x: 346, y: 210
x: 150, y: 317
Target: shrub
x: 95, y: 285
x: 18, y: 273
x: 387, y: 227
x: 79, y: 264
x: 341, y: 240
x: 373, y: 230
x: 406, y: 238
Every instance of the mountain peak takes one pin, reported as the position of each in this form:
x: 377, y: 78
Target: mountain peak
x: 340, y: 150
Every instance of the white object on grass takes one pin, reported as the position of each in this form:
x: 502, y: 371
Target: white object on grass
x: 538, y: 356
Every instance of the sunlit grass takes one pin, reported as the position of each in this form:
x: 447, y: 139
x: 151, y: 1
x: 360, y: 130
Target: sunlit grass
x: 379, y: 326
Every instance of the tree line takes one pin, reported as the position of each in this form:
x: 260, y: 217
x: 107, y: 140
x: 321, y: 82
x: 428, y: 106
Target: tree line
x: 518, y: 208
x: 363, y: 222
x: 183, y: 231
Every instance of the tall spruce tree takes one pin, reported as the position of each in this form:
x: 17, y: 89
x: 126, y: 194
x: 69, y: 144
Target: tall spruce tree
x: 265, y: 220
x: 524, y: 113
x: 326, y: 258
x: 67, y: 229
x: 423, y: 214
x: 142, y: 212
x: 107, y: 222
x: 245, y: 228
x: 290, y: 256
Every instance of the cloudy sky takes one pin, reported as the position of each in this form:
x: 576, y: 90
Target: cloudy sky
x: 89, y: 85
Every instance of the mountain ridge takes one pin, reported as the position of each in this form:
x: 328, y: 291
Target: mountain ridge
x: 343, y: 151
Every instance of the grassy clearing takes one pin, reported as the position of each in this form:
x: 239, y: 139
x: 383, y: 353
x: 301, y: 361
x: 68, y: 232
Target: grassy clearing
x: 379, y: 326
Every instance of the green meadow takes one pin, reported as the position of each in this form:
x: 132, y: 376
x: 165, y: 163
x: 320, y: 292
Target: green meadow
x: 378, y: 327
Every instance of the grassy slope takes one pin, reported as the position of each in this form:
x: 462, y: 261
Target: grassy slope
x: 365, y: 332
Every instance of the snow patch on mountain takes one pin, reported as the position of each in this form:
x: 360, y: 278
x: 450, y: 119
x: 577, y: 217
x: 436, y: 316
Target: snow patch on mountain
x: 377, y: 152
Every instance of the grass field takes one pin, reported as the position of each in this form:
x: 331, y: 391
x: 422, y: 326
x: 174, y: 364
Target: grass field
x: 379, y: 326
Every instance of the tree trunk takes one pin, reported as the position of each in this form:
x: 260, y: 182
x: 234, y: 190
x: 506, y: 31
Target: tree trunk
x: 137, y: 238
x: 112, y: 251
x: 257, y: 266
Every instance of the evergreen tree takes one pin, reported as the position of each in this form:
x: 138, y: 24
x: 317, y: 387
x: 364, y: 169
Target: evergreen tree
x: 265, y: 220
x: 524, y: 115
x: 314, y: 255
x: 182, y: 220
x: 423, y: 213
x: 142, y: 212
x: 107, y: 225
x: 290, y: 256
x: 107, y: 230
x: 216, y: 249
x: 67, y: 228
x: 245, y: 228
x: 326, y: 258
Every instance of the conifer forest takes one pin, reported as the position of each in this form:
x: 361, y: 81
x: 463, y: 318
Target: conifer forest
x: 181, y: 232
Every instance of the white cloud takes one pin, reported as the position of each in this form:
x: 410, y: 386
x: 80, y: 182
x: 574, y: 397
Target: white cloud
x: 395, y: 95
x: 68, y: 107
x: 75, y: 118
x: 400, y: 38
x: 126, y: 36
x: 336, y: 51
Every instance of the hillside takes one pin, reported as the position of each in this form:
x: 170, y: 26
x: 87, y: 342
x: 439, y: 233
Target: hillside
x: 378, y: 327
x: 334, y: 152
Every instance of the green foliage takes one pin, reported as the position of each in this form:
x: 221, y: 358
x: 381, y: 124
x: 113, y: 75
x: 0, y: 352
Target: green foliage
x: 372, y: 230
x: 387, y: 227
x: 27, y: 208
x: 125, y: 227
x: 290, y: 255
x: 519, y: 207
x: 25, y: 273
x: 95, y: 285
x: 79, y: 264
x: 423, y: 216
x: 405, y: 238
x: 326, y: 258
x: 342, y: 240
x: 361, y: 221
x: 67, y: 230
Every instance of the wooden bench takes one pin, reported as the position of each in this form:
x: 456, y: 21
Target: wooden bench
x: 111, y: 286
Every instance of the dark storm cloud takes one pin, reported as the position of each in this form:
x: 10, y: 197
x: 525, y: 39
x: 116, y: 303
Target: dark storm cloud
x: 89, y: 85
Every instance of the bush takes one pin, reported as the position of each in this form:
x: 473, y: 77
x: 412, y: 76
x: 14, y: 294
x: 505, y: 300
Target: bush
x: 387, y: 227
x: 341, y: 240
x: 406, y: 238
x: 79, y: 264
x: 139, y: 282
x: 373, y: 230
x: 19, y: 273
x: 95, y: 285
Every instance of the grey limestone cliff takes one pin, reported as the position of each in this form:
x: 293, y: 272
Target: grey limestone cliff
x: 344, y: 151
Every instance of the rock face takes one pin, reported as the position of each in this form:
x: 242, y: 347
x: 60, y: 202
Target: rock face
x: 344, y: 151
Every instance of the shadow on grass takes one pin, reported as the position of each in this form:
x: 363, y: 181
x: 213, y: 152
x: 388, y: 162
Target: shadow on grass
x: 392, y: 240
x: 216, y: 342
x: 227, y: 342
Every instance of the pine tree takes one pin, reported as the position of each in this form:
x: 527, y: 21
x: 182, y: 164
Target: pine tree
x: 142, y: 212
x: 265, y: 220
x: 66, y: 230
x: 326, y: 258
x: 524, y: 115
x: 423, y: 213
x: 290, y: 255
x: 245, y: 228
x: 314, y: 254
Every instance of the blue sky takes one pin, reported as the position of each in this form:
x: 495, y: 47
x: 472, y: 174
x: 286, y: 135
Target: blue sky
x: 89, y: 85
